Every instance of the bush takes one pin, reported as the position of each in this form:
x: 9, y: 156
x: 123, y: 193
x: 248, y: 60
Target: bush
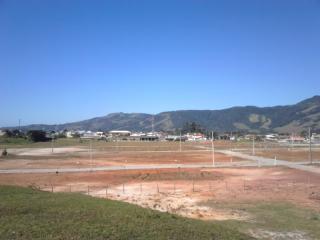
x: 37, y: 136
x: 4, y: 153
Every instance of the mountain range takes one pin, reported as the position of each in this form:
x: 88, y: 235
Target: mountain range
x: 281, y: 119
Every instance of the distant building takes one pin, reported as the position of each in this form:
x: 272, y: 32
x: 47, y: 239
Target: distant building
x: 294, y: 140
x: 233, y: 138
x: 119, y: 133
x: 272, y: 137
x: 70, y: 134
x: 195, y: 137
x: 172, y: 138
x: 88, y: 135
x: 149, y: 138
x: 315, y: 138
x: 93, y: 135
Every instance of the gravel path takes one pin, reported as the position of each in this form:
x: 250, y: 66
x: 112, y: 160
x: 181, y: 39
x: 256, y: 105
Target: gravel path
x: 262, y: 161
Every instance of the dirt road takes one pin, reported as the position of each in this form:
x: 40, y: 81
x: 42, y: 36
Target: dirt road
x: 262, y: 161
x: 127, y: 167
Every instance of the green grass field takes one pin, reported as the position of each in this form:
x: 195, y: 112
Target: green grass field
x: 30, y: 214
x: 279, y: 218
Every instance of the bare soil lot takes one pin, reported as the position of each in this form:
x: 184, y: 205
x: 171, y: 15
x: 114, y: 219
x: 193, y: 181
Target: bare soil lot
x: 184, y: 192
x: 268, y: 202
x: 80, y: 158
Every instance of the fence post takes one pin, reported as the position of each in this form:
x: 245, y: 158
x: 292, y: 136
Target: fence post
x: 107, y: 191
x: 157, y: 187
x: 123, y: 188
x: 193, y: 185
x: 174, y: 188
x: 88, y: 190
x: 51, y: 188
x: 244, y: 185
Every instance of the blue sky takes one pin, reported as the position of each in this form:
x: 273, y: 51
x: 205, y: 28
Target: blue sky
x: 62, y: 61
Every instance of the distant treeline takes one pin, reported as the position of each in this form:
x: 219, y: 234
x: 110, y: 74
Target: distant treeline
x: 32, y: 135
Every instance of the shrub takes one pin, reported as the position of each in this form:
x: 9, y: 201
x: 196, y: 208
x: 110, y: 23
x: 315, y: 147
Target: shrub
x: 4, y: 152
x: 37, y: 136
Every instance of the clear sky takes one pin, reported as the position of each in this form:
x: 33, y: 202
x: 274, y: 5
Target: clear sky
x: 68, y: 60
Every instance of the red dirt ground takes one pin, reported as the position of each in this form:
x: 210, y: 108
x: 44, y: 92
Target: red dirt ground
x: 183, y: 191
x: 112, y: 159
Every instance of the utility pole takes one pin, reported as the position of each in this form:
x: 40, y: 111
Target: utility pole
x: 117, y: 144
x: 212, y: 149
x: 91, y: 153
x: 310, y: 152
x: 19, y: 125
x: 180, y: 141
x: 52, y: 141
x: 253, y: 147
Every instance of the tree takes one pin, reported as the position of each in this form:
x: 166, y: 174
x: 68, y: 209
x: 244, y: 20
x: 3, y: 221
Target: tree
x: 192, y: 127
x: 37, y: 136
x: 304, y: 133
x: 76, y: 135
x: 17, y: 133
x: 14, y: 133
x: 4, y: 153
x: 8, y: 133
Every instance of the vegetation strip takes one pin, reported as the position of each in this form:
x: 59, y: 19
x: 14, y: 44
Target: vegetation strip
x: 30, y: 214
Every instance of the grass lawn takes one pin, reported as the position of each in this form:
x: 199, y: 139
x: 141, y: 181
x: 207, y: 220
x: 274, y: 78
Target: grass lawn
x: 275, y: 217
x: 30, y: 214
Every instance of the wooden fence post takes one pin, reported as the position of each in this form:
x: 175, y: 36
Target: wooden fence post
x: 193, y: 185
x: 244, y: 185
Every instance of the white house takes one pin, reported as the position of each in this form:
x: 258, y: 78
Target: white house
x: 195, y: 137
x: 122, y: 133
x: 315, y: 138
x: 272, y: 137
x: 69, y: 134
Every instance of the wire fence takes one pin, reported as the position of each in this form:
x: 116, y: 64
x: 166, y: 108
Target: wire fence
x: 286, y: 189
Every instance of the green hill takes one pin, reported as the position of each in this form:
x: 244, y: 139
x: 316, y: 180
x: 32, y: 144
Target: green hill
x: 290, y: 118
x: 30, y: 214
